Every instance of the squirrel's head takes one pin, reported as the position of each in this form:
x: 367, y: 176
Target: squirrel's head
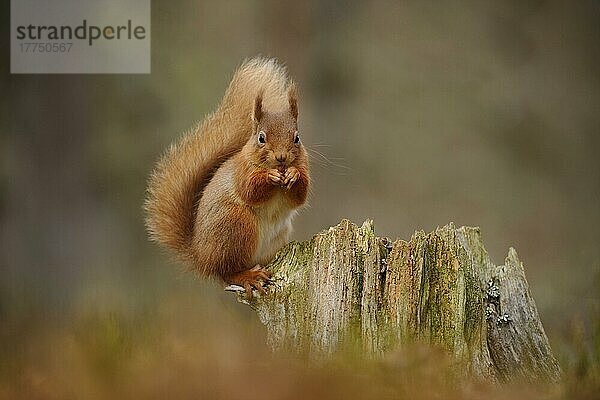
x: 275, y: 140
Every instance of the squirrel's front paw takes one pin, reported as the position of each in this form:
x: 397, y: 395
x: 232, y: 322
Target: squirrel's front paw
x: 275, y: 177
x: 291, y: 176
x: 254, y: 278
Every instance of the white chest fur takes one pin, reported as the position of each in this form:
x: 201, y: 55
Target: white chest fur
x: 274, y: 227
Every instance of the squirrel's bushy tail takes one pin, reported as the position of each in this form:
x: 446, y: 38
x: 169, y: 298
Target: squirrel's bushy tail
x: 185, y: 169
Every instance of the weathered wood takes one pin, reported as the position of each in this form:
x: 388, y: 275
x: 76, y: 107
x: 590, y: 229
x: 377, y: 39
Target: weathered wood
x: 347, y: 287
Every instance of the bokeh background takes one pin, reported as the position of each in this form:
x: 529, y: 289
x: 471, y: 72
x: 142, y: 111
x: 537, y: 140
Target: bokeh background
x: 416, y: 113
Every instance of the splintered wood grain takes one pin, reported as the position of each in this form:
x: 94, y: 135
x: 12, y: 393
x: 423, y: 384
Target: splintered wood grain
x: 516, y: 337
x: 348, y: 289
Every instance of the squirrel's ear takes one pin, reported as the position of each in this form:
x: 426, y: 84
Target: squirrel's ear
x: 257, y: 110
x: 293, y: 99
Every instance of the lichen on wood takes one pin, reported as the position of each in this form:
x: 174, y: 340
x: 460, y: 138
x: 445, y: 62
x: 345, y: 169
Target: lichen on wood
x: 348, y: 287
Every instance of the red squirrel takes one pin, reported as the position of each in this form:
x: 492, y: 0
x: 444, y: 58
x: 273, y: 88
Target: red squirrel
x: 223, y: 197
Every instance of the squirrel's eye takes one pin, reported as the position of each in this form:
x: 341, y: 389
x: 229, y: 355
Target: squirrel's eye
x: 262, y: 138
x: 297, y: 138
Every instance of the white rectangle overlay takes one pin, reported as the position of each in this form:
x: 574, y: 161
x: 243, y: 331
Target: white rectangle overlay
x: 80, y: 37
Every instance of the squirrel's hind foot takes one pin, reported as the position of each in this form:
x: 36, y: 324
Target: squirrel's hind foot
x: 255, y: 278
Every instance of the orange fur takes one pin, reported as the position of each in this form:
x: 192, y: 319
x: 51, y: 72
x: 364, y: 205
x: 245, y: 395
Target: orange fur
x: 253, y: 185
x: 298, y: 193
x: 223, y: 198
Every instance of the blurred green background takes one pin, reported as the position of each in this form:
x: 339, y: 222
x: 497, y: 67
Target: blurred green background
x: 417, y: 113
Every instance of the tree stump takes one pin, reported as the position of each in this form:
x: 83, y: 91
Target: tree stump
x: 346, y: 286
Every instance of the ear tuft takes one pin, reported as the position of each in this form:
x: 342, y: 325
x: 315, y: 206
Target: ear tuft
x: 257, y: 112
x: 293, y: 99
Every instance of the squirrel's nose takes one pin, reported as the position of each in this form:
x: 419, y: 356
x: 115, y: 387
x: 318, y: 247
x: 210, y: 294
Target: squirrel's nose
x: 280, y: 157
